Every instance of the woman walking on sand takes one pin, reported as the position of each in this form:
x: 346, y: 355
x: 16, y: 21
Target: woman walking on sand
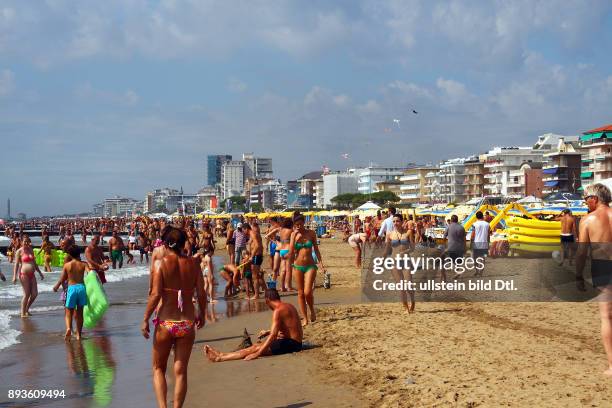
x: 398, y: 242
x: 175, y: 277
x: 283, y: 247
x: 25, y: 266
x: 301, y: 246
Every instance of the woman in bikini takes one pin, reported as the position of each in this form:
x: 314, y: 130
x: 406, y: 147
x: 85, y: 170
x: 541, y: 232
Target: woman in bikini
x: 301, y: 246
x: 272, y: 238
x: 175, y: 278
x: 13, y: 247
x: 208, y: 269
x: 47, y: 246
x: 398, y: 243
x: 410, y: 227
x: 284, y: 244
x: 25, y: 266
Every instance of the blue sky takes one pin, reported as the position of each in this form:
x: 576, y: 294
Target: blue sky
x: 119, y: 97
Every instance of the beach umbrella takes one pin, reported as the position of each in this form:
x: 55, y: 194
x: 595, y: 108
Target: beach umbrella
x: 368, y: 206
x: 530, y: 200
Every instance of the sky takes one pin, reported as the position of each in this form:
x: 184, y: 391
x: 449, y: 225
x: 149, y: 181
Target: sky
x: 118, y: 97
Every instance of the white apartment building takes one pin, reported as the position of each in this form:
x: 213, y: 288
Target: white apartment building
x: 368, y: 177
x: 120, y: 206
x: 596, y: 148
x: 452, y: 180
x: 270, y: 194
x: 336, y: 184
x: 500, y: 161
x: 413, y: 188
x: 232, y: 178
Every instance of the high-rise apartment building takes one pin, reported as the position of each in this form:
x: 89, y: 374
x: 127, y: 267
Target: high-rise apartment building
x: 214, y: 164
x: 337, y: 183
x: 232, y: 178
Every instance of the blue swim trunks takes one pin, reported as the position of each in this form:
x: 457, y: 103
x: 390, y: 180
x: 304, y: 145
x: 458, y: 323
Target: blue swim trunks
x: 76, y: 296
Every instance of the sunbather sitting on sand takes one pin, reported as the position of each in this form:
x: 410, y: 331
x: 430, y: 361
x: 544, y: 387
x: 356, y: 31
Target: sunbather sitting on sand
x: 285, y: 335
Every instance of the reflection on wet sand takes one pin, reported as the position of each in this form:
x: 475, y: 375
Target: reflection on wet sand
x: 235, y: 307
x: 91, y: 359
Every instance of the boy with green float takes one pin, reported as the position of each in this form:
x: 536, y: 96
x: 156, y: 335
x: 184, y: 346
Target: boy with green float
x: 76, y: 295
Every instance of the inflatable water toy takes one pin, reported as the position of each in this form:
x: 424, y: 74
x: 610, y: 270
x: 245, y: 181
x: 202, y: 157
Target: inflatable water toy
x: 57, y: 257
x: 533, y: 223
x: 526, y: 239
x: 97, y: 302
x: 534, y: 232
x: 520, y: 246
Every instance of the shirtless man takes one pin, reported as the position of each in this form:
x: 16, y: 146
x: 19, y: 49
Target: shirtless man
x: 76, y: 296
x: 95, y: 257
x: 256, y: 250
x: 143, y: 246
x: 115, y: 248
x: 596, y: 235
x: 568, y: 235
x: 285, y: 335
x: 68, y: 240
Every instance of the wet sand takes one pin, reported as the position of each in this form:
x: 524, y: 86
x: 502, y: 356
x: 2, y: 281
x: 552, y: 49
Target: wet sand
x: 279, y: 381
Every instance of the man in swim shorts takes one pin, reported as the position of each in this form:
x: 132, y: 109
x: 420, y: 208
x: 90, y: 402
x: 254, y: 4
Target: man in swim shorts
x: 116, y: 247
x: 568, y: 234
x: 256, y: 250
x: 596, y: 234
x: 285, y: 335
x: 76, y: 296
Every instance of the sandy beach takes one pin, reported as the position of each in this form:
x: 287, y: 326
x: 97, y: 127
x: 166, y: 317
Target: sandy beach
x: 357, y: 355
x: 445, y: 354
x: 461, y: 354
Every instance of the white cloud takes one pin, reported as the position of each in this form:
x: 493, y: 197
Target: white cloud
x: 236, y: 85
x: 342, y: 100
x: 453, y: 90
x: 130, y: 97
x: 88, y: 93
x: 371, y: 106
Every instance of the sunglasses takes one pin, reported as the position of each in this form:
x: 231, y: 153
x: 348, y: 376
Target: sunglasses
x: 586, y: 198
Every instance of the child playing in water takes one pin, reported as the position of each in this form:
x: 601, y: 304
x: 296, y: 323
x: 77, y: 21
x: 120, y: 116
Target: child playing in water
x: 130, y: 260
x: 247, y: 275
x: 76, y: 296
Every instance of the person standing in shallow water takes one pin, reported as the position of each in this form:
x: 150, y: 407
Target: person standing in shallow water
x: 46, y: 247
x: 25, y: 266
x: 115, y: 248
x: 95, y: 258
x: 175, y: 278
x: 76, y: 295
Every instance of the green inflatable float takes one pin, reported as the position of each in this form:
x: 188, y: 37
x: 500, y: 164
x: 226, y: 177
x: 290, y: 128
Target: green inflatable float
x: 57, y: 257
x: 97, y: 303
